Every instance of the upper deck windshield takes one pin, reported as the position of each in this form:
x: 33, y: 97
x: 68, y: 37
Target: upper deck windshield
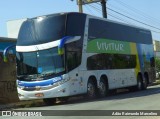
x: 42, y: 30
x: 39, y: 64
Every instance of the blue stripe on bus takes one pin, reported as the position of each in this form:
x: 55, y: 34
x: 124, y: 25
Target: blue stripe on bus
x: 39, y: 83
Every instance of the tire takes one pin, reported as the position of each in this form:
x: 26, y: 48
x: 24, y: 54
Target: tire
x: 133, y: 88
x: 91, y: 90
x: 63, y: 99
x: 139, y: 83
x: 49, y: 101
x: 112, y: 92
x: 144, y: 86
x: 103, y: 88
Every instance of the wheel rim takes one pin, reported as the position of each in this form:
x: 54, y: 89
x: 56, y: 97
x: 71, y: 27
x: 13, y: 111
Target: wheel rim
x: 102, y: 88
x: 145, y: 83
x: 139, y: 85
x: 91, y: 90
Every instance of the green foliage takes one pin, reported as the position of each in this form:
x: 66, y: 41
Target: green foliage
x: 157, y: 62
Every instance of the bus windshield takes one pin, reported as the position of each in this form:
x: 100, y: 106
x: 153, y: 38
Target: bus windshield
x: 39, y: 64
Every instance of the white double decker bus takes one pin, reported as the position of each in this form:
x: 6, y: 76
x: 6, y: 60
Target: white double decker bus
x: 66, y: 54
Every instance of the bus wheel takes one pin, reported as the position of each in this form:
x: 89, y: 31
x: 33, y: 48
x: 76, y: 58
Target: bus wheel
x: 63, y: 99
x: 91, y: 90
x: 103, y: 89
x: 49, y: 101
x: 139, y: 83
x: 144, y: 87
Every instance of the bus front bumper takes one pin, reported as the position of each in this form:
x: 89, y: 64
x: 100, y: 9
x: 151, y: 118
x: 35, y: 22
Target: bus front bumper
x: 59, y: 91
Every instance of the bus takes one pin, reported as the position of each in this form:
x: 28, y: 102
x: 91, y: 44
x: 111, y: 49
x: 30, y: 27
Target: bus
x: 66, y: 54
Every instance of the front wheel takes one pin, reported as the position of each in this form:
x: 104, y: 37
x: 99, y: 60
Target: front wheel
x: 63, y: 99
x: 49, y: 101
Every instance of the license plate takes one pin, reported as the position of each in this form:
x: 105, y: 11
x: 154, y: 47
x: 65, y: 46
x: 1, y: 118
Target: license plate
x: 39, y: 95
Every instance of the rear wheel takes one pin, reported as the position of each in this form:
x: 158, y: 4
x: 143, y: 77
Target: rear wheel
x: 49, y: 101
x: 103, y: 88
x: 145, y: 83
x: 139, y: 83
x: 91, y: 89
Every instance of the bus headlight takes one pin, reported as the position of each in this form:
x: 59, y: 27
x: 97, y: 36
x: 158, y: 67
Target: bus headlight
x: 20, y: 95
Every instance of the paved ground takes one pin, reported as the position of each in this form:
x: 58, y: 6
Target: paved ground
x: 143, y: 100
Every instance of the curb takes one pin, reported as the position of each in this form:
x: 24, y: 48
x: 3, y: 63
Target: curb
x: 7, y: 106
x: 38, y: 103
x: 157, y: 82
x: 22, y: 104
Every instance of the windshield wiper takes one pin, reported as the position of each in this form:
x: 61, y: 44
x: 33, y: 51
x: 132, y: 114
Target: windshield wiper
x: 21, y: 76
x: 47, y: 74
x: 26, y: 77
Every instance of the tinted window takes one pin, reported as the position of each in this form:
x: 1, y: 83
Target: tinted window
x: 111, y: 61
x: 49, y: 61
x: 26, y: 63
x: 41, y: 62
x: 42, y: 30
x: 51, y: 28
x: 73, y: 54
x: 75, y: 24
x: 115, y: 31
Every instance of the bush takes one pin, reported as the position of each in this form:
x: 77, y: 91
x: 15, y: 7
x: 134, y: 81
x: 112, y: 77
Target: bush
x: 157, y: 62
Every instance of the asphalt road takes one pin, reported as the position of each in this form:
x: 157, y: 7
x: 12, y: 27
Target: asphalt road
x: 143, y: 100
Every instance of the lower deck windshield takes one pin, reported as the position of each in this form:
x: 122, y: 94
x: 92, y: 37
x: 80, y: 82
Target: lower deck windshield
x: 39, y: 64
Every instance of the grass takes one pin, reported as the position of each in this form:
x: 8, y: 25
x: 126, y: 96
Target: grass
x: 27, y: 104
x: 157, y: 81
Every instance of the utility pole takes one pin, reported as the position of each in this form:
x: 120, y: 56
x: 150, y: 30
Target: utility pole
x: 103, y: 3
x: 80, y: 6
x: 104, y: 9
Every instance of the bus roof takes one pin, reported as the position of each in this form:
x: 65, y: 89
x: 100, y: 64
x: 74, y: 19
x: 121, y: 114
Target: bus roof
x: 105, y: 19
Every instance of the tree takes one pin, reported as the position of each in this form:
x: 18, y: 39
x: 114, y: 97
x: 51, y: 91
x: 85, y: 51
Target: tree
x: 157, y: 62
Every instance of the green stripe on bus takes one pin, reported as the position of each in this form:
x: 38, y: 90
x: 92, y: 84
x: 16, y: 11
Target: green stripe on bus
x: 108, y: 46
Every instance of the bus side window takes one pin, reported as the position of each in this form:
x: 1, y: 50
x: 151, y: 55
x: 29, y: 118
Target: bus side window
x: 73, y: 54
x: 70, y: 60
x: 73, y: 59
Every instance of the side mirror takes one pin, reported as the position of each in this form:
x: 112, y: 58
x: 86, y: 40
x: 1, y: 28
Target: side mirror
x: 5, y: 52
x: 61, y: 45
